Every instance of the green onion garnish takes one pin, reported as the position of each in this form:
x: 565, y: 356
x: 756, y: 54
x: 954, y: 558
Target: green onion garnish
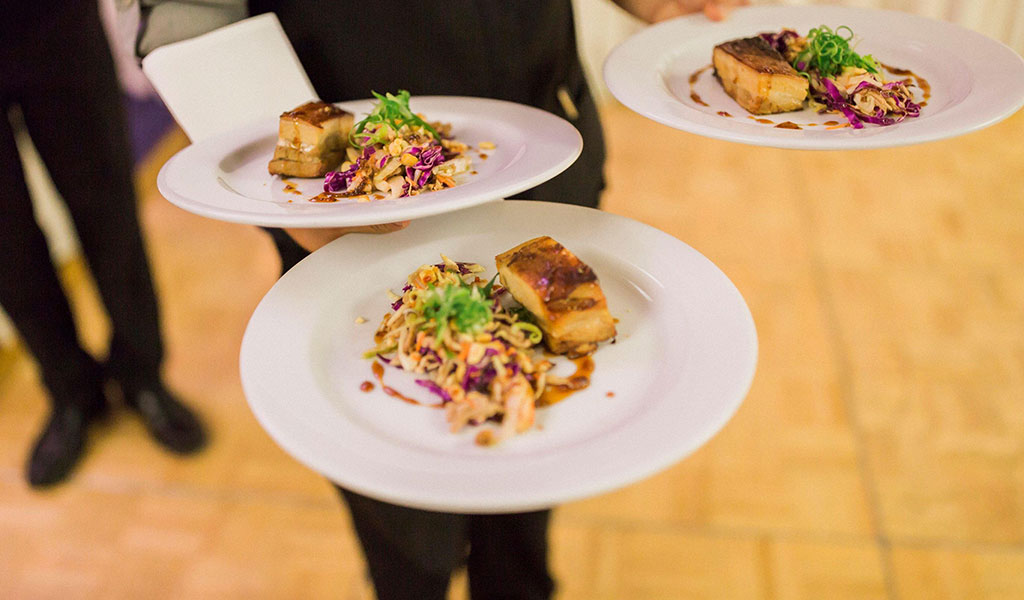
x: 463, y: 307
x: 829, y: 52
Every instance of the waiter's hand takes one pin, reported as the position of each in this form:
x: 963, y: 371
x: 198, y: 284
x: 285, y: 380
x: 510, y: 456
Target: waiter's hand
x: 315, y: 238
x: 654, y: 11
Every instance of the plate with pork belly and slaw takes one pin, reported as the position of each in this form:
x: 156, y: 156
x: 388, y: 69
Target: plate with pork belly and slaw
x: 817, y: 77
x: 475, y: 368
x: 391, y: 158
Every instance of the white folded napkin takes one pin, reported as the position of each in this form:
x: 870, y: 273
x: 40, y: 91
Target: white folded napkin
x: 229, y: 77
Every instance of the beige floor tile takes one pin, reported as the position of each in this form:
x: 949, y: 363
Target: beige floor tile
x: 174, y: 543
x: 959, y: 574
x: 814, y: 570
x: 938, y: 371
x: 604, y: 563
x: 923, y: 275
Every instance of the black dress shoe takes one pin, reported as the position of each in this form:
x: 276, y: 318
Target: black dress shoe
x: 169, y: 421
x: 62, y: 442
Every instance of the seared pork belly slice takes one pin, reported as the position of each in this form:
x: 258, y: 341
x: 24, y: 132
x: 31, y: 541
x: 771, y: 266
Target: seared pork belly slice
x: 311, y: 140
x: 758, y: 77
x: 561, y: 291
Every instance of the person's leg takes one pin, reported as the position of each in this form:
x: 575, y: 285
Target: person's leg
x: 410, y: 553
x: 508, y: 557
x: 30, y: 292
x: 33, y: 297
x: 78, y: 125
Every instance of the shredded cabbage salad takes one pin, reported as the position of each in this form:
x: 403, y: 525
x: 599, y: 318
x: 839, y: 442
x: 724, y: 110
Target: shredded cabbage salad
x: 478, y: 355
x: 842, y: 80
x: 395, y: 152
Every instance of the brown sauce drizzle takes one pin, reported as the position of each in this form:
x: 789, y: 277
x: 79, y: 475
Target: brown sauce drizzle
x: 920, y: 82
x: 290, y: 188
x: 696, y: 74
x: 483, y: 156
x: 378, y: 371
x: 325, y: 197
x: 838, y: 126
x: 787, y: 125
x: 693, y: 80
x: 579, y: 380
x: 366, y: 386
x: 610, y: 394
x: 831, y: 123
x: 762, y: 121
x: 722, y: 113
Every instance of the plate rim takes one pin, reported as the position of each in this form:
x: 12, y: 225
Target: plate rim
x: 635, y: 99
x: 176, y: 167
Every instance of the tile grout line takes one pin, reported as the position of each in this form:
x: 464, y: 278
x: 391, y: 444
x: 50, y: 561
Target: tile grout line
x: 121, y: 486
x: 678, y: 527
x: 839, y: 350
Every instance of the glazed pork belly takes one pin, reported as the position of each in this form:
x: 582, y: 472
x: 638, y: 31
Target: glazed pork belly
x: 561, y: 292
x: 311, y: 140
x: 758, y: 77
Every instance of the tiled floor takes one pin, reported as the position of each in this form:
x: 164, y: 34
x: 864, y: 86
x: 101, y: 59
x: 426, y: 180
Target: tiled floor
x: 880, y: 453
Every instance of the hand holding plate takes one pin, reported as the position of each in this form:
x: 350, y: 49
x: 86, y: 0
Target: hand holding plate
x: 313, y: 239
x: 662, y: 10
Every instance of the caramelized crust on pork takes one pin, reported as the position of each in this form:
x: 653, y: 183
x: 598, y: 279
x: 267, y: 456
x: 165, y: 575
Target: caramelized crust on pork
x: 561, y: 291
x: 758, y: 77
x: 311, y: 140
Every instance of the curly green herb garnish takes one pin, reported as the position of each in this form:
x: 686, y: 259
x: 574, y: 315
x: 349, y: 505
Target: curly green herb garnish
x: 391, y: 113
x: 829, y: 52
x: 464, y: 308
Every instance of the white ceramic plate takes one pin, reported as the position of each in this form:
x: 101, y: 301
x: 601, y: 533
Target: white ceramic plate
x: 975, y: 81
x: 681, y: 365
x: 225, y: 177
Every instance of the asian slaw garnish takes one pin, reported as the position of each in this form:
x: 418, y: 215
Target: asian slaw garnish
x: 451, y: 329
x: 395, y: 152
x: 842, y: 80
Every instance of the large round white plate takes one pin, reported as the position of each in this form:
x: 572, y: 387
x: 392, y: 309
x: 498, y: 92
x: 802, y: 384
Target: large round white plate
x: 681, y: 365
x: 225, y: 177
x: 975, y: 81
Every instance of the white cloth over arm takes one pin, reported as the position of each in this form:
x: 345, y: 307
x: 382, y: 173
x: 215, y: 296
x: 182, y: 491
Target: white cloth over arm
x: 223, y: 79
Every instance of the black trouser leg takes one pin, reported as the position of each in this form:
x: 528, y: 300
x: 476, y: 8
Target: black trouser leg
x: 410, y: 553
x: 508, y: 556
x: 30, y: 292
x: 88, y: 153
